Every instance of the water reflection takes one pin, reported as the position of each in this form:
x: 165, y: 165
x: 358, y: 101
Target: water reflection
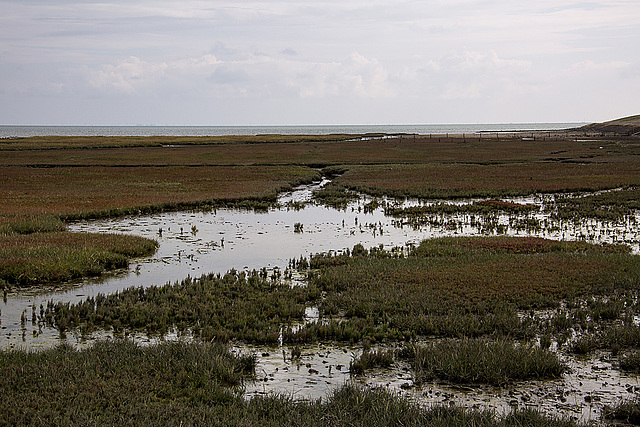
x: 195, y: 243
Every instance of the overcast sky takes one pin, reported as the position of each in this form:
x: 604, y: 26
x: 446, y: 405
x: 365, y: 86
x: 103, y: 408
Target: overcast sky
x: 249, y: 62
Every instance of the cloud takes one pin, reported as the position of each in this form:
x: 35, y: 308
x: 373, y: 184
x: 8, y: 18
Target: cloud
x: 388, y: 58
x: 466, y: 74
x: 252, y: 75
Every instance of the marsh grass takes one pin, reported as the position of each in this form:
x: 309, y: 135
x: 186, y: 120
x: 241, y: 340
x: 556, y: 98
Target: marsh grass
x: 626, y: 412
x: 371, y: 358
x: 118, y: 382
x: 335, y: 196
x: 457, y: 287
x: 630, y: 362
x: 611, y: 337
x: 248, y: 307
x: 82, y: 192
x: 480, y: 208
x: 608, y: 206
x: 454, y: 181
x: 479, y: 361
x: 102, y: 142
x: 29, y: 224
x: 37, y: 258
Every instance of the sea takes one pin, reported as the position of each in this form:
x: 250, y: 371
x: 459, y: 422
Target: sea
x: 15, y: 131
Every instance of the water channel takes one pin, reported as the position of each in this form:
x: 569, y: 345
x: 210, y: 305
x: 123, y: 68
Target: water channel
x: 195, y: 243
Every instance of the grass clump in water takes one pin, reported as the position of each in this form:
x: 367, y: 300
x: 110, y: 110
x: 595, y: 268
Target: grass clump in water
x: 241, y: 306
x: 371, y: 358
x: 458, y: 287
x: 479, y: 361
x: 37, y: 258
x: 625, y: 412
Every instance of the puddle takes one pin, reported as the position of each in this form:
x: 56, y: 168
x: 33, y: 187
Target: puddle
x: 195, y: 243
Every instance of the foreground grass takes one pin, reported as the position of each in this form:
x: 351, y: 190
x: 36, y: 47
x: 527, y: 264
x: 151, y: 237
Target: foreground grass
x: 118, y: 382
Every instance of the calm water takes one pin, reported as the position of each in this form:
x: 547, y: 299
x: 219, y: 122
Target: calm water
x: 24, y: 131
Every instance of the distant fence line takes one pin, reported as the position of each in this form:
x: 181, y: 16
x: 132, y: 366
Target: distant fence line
x: 511, y: 135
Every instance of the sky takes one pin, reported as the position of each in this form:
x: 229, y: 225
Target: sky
x: 321, y: 62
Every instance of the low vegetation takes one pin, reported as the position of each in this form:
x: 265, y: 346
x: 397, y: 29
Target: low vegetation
x: 452, y: 181
x: 248, y: 307
x: 479, y: 361
x: 92, y: 192
x: 457, y: 287
x: 54, y: 257
x: 449, y: 287
x: 118, y: 382
x: 626, y: 412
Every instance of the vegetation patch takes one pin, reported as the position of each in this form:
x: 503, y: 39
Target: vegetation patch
x: 98, y: 191
x: 37, y: 258
x: 450, y: 181
x: 119, y: 382
x: 456, y: 287
x: 607, y: 206
x: 479, y: 361
x: 28, y: 224
x: 335, y: 196
x: 371, y: 358
x: 241, y: 306
x: 625, y: 412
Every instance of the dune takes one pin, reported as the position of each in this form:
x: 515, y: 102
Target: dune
x: 626, y: 126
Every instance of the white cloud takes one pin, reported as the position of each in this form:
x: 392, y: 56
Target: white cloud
x: 255, y: 75
x: 301, y: 52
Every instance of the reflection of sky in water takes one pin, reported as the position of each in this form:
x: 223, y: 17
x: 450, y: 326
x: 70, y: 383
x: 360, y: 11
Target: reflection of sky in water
x: 227, y: 239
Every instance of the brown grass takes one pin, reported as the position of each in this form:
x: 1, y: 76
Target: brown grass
x: 437, y: 180
x: 76, y: 190
x: 390, y: 151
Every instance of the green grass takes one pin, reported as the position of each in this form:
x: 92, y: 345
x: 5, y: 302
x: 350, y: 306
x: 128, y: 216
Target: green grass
x: 234, y: 306
x: 54, y: 257
x: 455, y: 287
x: 479, y: 361
x: 120, y: 383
